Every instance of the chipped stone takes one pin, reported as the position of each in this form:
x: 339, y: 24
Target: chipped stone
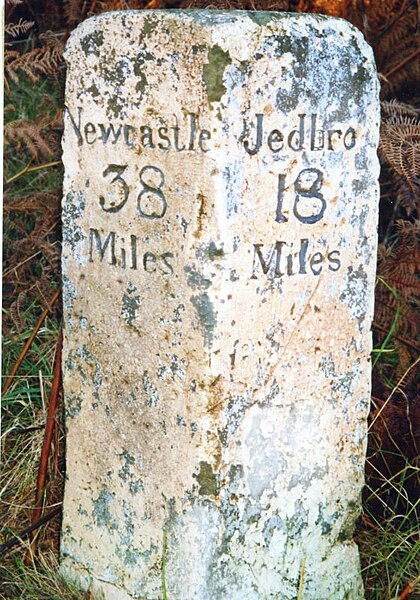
x: 219, y: 239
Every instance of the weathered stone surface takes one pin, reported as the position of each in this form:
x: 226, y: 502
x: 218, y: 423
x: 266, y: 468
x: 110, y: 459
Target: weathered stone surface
x: 219, y: 236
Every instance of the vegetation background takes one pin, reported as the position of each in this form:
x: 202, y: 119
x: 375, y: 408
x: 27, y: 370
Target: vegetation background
x: 33, y: 437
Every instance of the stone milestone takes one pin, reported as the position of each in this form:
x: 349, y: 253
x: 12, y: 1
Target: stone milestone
x: 219, y: 239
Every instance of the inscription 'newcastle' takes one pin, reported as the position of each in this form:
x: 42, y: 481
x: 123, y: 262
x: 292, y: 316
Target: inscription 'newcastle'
x: 219, y: 238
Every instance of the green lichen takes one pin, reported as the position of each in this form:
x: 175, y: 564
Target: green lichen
x: 94, y: 92
x: 150, y: 24
x: 261, y: 17
x: 115, y: 106
x: 213, y: 252
x: 138, y: 64
x: 207, y: 480
x: 213, y: 72
x: 196, y: 48
x: 90, y: 43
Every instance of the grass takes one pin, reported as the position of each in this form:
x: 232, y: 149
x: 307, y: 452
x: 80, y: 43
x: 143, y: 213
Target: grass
x: 37, y: 580
x: 390, y: 546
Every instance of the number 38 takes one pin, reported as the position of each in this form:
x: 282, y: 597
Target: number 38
x: 151, y: 201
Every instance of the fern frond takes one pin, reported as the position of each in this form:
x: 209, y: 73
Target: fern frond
x: 44, y: 60
x: 394, y: 108
x: 16, y: 311
x: 28, y: 134
x: 16, y: 29
x: 400, y: 142
x: 39, y: 202
x: 391, y: 32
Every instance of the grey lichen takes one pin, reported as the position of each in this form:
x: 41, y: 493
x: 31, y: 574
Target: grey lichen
x: 73, y: 208
x: 130, y: 305
x: 101, y: 513
x: 73, y: 405
x: 355, y: 293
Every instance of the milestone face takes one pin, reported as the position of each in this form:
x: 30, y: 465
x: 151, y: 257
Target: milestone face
x: 219, y: 238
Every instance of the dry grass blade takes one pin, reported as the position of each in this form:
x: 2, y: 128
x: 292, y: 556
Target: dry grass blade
x: 49, y: 429
x: 30, y: 169
x: 378, y: 414
x: 31, y: 338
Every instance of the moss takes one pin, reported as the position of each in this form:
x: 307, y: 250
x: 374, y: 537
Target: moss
x: 213, y: 72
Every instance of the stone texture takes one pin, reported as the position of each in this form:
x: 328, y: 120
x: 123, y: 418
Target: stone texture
x: 219, y: 238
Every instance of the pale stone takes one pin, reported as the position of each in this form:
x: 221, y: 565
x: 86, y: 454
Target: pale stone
x: 219, y: 239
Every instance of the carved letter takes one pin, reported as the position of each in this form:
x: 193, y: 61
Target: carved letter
x: 259, y: 138
x: 73, y: 122
x: 266, y: 264
x: 102, y: 248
